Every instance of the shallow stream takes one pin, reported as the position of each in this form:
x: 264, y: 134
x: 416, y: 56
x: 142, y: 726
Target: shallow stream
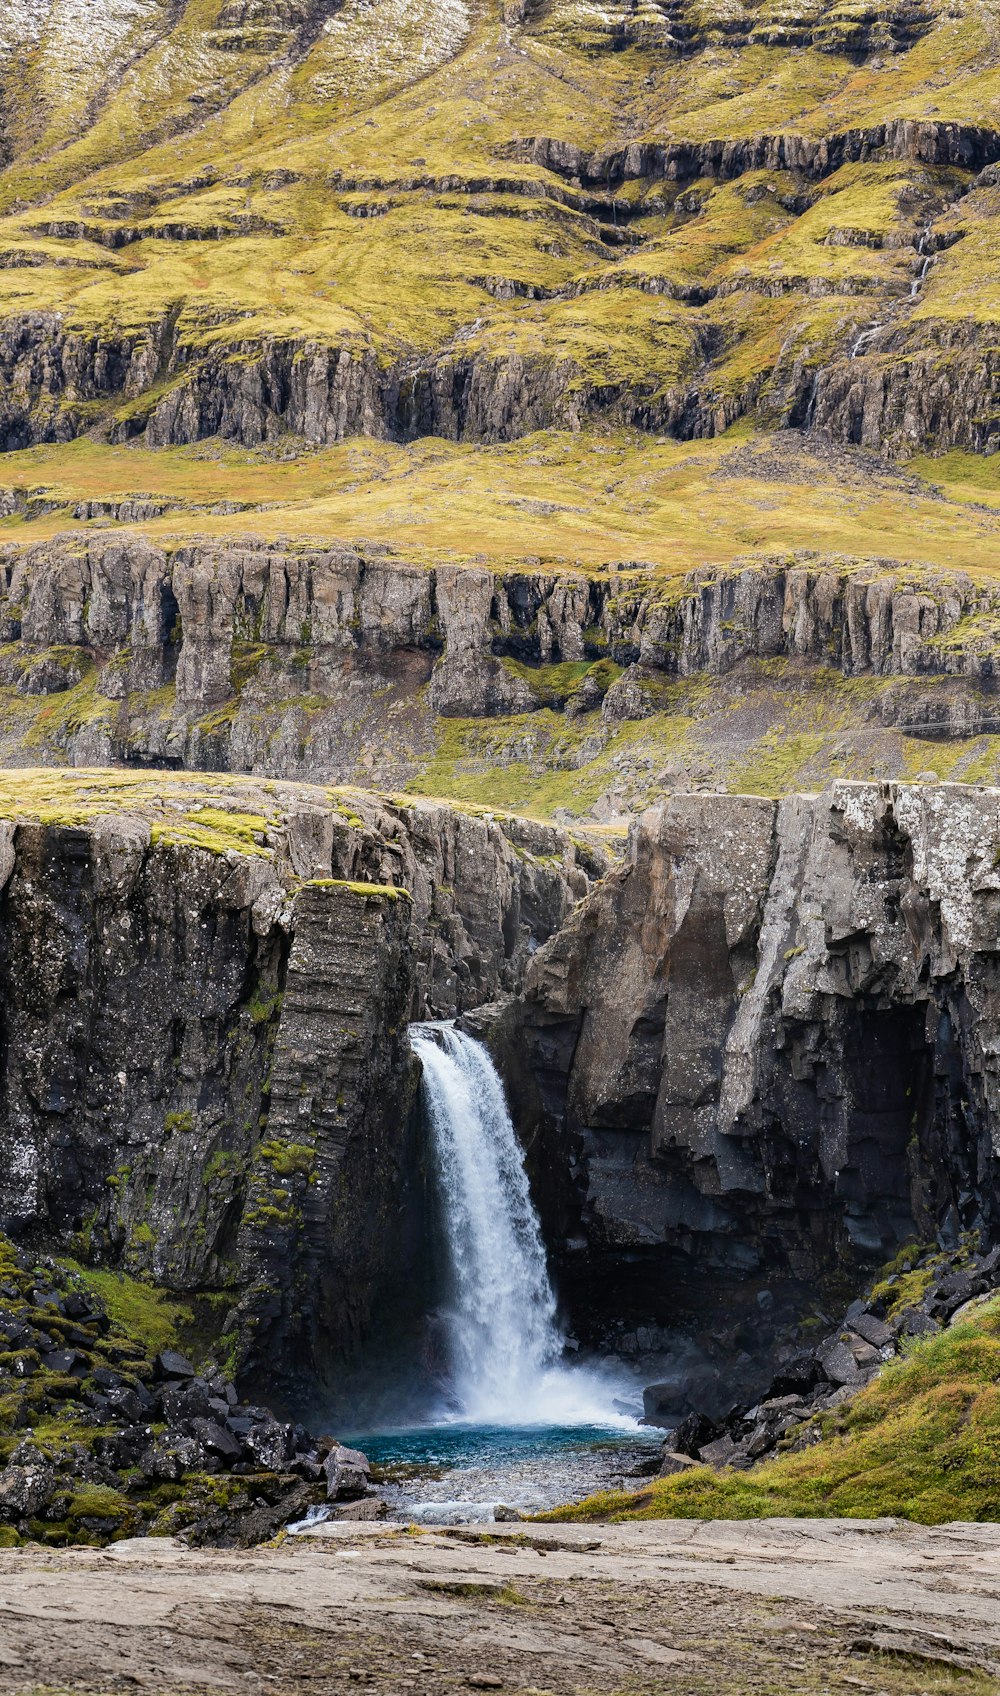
x: 461, y: 1474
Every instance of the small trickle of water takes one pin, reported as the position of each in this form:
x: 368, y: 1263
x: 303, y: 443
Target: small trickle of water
x: 504, y: 1341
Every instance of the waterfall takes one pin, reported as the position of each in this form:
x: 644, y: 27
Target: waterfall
x: 504, y: 1341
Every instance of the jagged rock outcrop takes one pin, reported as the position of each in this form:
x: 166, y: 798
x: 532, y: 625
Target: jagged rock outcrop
x: 205, y: 1074
x: 242, y: 657
x: 766, y: 1048
x: 913, y: 386
x: 971, y: 146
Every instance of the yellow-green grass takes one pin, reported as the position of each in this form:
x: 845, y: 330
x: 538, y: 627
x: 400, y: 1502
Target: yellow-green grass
x: 461, y: 98
x: 218, y: 811
x: 187, y: 809
x: 921, y: 1443
x: 586, y: 500
x: 255, y: 148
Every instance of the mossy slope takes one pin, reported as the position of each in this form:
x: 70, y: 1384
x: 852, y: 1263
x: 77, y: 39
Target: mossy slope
x: 922, y: 1442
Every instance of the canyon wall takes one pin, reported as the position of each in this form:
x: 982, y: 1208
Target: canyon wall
x: 765, y: 1051
x: 332, y: 663
x: 204, y: 1068
x: 747, y: 1064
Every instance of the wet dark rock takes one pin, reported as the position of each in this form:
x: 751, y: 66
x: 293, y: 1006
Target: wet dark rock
x: 305, y: 1466
x: 722, y: 1451
x: 188, y: 1400
x: 63, y: 1360
x: 217, y: 1440
x: 798, y: 1375
x: 692, y: 1434
x: 171, y: 1456
x: 347, y: 1472
x: 956, y: 1288
x: 124, y: 1404
x: 659, y: 1403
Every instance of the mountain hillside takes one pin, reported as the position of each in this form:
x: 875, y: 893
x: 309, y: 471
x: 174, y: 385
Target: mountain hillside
x: 250, y: 216
x: 661, y: 287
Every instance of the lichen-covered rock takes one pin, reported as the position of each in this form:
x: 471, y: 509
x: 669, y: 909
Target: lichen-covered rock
x: 27, y: 1484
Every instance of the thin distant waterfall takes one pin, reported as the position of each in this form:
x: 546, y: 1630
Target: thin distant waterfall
x: 503, y: 1336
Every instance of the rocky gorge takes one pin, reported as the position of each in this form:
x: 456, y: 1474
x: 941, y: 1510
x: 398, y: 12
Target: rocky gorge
x: 500, y: 807
x: 747, y: 1065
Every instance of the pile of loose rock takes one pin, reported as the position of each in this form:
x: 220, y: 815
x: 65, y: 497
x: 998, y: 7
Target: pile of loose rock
x: 99, y: 1441
x: 927, y: 1292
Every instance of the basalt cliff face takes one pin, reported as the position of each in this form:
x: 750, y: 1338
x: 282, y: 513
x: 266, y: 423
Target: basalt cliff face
x: 205, y: 1075
x: 337, y: 663
x: 764, y: 1050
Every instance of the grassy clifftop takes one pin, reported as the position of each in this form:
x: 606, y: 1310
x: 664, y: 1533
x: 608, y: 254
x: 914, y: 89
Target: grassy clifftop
x: 557, y: 499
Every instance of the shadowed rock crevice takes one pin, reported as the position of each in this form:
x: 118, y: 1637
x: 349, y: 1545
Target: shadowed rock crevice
x: 760, y: 1056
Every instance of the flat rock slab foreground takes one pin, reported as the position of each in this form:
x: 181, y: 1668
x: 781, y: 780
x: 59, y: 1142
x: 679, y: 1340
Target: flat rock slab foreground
x: 687, y: 1606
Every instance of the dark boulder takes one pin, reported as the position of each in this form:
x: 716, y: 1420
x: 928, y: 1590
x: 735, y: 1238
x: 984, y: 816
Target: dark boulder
x: 170, y: 1364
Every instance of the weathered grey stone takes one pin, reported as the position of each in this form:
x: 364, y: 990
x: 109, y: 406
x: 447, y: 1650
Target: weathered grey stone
x: 26, y: 1483
x: 348, y: 1473
x: 874, y: 1331
x: 838, y: 1363
x: 768, y: 1043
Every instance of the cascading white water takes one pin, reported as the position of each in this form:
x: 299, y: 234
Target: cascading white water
x: 504, y: 1339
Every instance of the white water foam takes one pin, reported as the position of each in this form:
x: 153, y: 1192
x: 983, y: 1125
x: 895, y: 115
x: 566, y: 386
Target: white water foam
x: 506, y: 1346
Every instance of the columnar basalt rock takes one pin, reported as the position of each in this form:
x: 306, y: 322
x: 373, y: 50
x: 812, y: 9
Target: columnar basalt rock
x: 766, y: 1047
x: 972, y: 146
x: 205, y: 1075
x: 243, y: 657
x: 319, y: 1239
